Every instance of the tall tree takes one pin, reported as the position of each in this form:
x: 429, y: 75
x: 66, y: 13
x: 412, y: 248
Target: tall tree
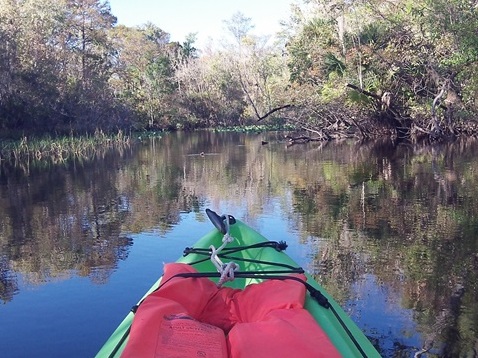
x: 89, y: 61
x: 29, y: 32
x: 88, y: 22
x: 146, y: 83
x: 239, y: 26
x: 258, y: 65
x: 56, y: 63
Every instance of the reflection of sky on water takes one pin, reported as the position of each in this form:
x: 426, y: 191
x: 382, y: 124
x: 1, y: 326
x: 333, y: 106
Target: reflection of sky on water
x: 67, y: 308
x: 73, y: 316
x: 81, y: 314
x: 284, y: 194
x: 379, y: 314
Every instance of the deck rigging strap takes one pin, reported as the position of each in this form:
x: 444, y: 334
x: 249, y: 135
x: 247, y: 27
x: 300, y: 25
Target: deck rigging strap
x: 279, y: 246
x: 225, y: 253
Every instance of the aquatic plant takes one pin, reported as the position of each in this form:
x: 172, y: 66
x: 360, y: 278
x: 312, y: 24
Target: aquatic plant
x: 59, y: 149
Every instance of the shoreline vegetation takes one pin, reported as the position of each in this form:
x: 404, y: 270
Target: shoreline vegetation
x: 60, y: 149
x: 404, y: 70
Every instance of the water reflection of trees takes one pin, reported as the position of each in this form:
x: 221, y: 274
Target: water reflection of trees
x: 409, y: 216
x: 60, y: 221
x: 405, y: 214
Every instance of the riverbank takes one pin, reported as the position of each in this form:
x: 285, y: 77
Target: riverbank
x: 60, y: 149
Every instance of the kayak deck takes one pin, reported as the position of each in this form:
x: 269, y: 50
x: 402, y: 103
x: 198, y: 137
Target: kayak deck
x: 341, y: 330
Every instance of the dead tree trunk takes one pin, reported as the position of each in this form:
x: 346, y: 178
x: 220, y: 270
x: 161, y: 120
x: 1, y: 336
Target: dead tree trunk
x: 436, y: 131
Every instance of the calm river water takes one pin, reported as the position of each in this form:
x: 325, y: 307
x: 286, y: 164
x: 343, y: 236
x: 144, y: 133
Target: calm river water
x: 390, y: 231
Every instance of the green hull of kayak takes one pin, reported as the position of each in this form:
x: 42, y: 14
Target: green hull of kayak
x: 350, y: 344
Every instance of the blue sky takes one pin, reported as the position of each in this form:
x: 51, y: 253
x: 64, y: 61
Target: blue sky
x: 181, y: 17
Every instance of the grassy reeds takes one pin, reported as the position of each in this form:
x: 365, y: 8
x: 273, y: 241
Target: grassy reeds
x: 61, y: 148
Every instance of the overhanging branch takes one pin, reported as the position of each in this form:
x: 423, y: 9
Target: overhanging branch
x: 273, y: 110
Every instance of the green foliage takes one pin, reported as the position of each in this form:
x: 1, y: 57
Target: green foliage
x: 188, y: 51
x: 333, y: 65
x: 56, y: 62
x: 374, y: 35
x: 67, y: 65
x: 255, y: 128
x: 311, y: 52
x: 358, y: 98
x: 409, y: 49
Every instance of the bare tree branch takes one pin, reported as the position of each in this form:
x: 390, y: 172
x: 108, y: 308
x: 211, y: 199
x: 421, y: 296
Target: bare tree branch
x: 274, y: 110
x: 367, y: 93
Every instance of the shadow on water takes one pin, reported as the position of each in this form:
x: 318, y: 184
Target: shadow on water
x: 390, y: 228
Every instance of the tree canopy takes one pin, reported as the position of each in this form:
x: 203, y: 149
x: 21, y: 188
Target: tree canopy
x: 364, y: 68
